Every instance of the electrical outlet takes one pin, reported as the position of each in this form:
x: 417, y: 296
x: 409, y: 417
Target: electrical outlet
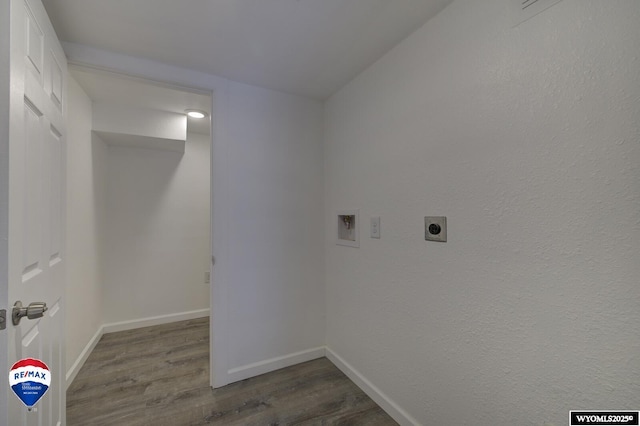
x: 435, y: 228
x: 207, y: 277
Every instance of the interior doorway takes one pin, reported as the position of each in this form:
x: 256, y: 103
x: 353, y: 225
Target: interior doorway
x: 138, y: 208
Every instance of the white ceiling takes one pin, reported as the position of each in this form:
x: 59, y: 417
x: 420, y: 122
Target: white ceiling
x: 306, y: 47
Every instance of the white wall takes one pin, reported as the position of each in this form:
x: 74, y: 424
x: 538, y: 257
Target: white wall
x: 274, y: 274
x: 86, y: 196
x: 527, y: 140
x: 123, y: 125
x: 127, y: 120
x: 157, y: 238
x: 275, y: 174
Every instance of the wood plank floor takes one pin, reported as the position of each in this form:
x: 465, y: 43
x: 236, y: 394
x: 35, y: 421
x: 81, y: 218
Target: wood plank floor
x: 160, y: 376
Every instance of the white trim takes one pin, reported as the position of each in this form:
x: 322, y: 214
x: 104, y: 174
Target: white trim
x: 82, y: 358
x: 135, y: 67
x: 123, y: 326
x: 256, y: 368
x: 386, y: 403
x: 266, y: 366
x: 150, y: 321
x: 220, y: 214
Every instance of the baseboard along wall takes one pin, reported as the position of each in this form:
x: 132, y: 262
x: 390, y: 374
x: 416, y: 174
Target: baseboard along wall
x: 123, y: 326
x: 77, y: 365
x: 257, y: 368
x: 151, y: 321
x: 386, y: 403
x: 266, y: 366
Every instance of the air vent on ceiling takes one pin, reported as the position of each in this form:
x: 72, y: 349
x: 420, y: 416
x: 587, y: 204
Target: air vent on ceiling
x: 525, y: 9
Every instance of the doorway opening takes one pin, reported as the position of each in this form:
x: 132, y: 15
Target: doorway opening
x: 138, y: 207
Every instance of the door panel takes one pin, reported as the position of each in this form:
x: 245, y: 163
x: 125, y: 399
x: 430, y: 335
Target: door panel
x: 37, y: 145
x: 55, y: 195
x: 32, y: 181
x: 35, y: 43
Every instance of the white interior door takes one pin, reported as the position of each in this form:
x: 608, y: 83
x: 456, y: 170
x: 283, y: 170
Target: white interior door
x: 36, y: 256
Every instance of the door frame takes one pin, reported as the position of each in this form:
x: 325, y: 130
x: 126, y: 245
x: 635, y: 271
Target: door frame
x: 217, y: 88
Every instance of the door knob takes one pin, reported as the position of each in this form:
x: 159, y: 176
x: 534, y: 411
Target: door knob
x: 33, y: 311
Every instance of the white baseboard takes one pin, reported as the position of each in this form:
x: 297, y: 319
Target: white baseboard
x: 257, y: 368
x: 77, y: 365
x: 150, y: 321
x: 266, y: 366
x: 393, y: 409
x: 123, y: 326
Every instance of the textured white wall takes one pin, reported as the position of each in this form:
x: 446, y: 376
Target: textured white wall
x: 276, y: 244
x: 157, y: 241
x: 86, y: 197
x: 527, y: 139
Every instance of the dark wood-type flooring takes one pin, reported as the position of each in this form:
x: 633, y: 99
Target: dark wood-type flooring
x: 160, y: 376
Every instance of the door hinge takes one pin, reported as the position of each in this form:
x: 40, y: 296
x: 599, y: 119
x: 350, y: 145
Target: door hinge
x: 3, y: 319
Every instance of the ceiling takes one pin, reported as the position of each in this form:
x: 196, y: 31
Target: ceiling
x: 306, y: 47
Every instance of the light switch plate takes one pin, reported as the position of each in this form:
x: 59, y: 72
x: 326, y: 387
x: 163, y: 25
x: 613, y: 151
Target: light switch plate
x: 435, y: 228
x: 375, y: 227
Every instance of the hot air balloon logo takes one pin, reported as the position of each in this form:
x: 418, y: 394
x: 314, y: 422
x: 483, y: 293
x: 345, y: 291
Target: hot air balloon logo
x: 30, y: 379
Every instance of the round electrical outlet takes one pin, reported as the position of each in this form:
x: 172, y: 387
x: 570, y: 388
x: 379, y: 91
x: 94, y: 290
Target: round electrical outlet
x: 434, y: 229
